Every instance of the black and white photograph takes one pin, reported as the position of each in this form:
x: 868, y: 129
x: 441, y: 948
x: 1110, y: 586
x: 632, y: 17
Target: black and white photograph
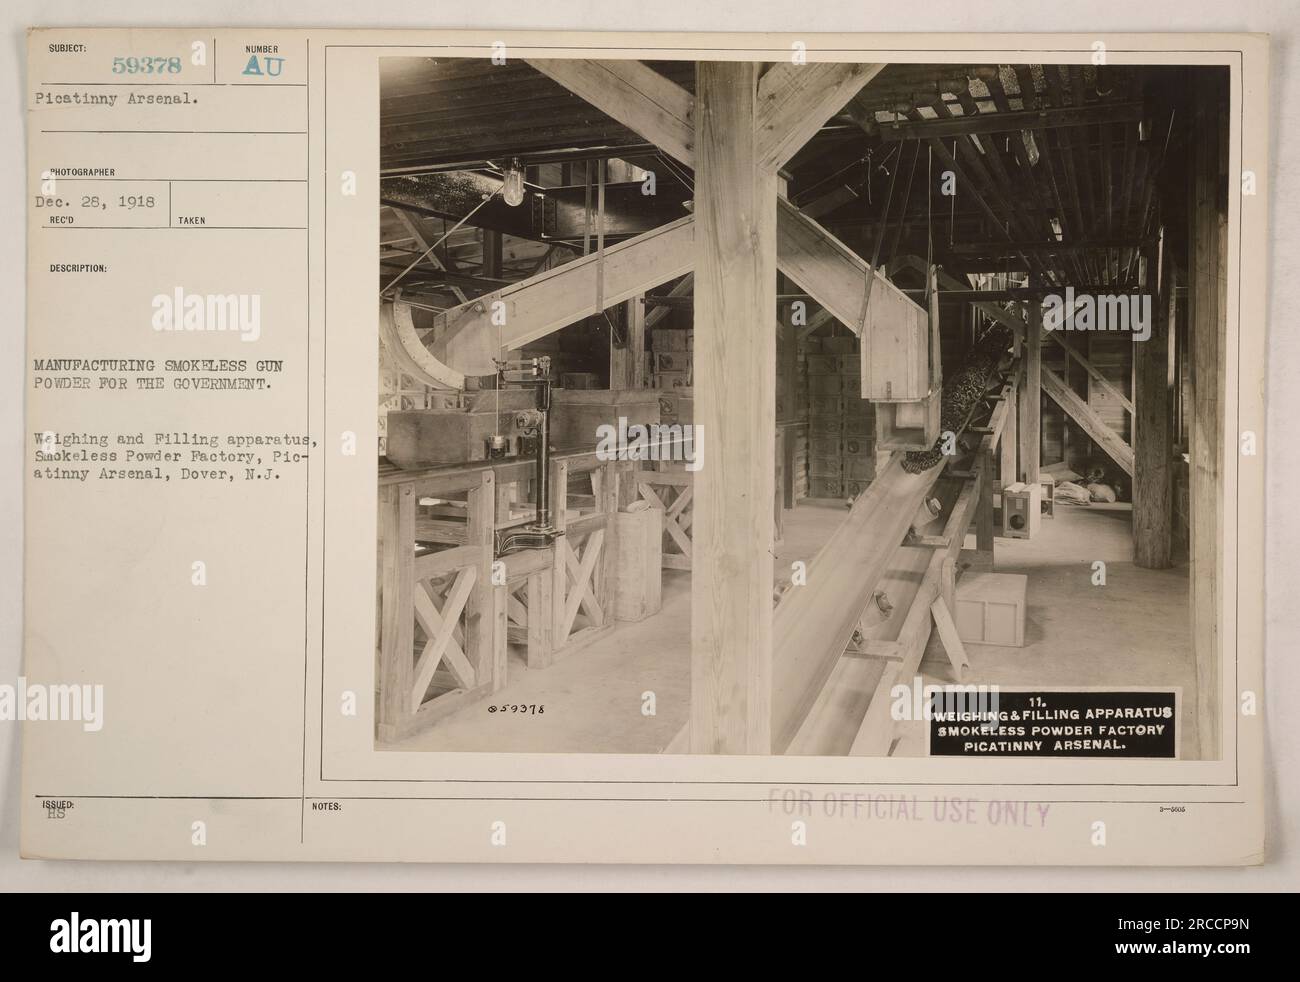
x: 962, y: 375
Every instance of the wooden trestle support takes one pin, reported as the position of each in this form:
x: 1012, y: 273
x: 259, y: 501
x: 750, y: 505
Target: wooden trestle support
x: 449, y: 606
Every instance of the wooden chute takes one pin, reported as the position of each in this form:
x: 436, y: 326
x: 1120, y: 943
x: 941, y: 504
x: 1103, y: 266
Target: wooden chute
x: 397, y: 334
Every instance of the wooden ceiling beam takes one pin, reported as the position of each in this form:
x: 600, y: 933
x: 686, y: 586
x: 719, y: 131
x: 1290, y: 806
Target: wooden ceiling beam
x: 1064, y: 155
x: 995, y: 189
x: 1001, y: 184
x: 1047, y: 119
x: 1026, y: 171
x: 998, y: 95
x: 532, y: 145
x: 682, y: 288
x: 993, y: 249
x: 416, y: 232
x: 795, y: 101
x: 968, y: 105
x: 1064, y: 146
x: 1029, y: 100
x: 967, y: 181
x: 634, y: 95
x: 1081, y: 162
x: 830, y: 201
x: 832, y: 273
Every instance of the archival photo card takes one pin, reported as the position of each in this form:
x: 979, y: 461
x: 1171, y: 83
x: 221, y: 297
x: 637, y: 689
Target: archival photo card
x: 645, y: 448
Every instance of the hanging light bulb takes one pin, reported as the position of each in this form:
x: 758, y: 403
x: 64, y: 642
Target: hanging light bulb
x: 513, y: 189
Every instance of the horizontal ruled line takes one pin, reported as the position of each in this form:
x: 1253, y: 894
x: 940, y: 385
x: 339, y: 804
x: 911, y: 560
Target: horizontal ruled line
x: 265, y: 85
x: 194, y: 132
x: 192, y: 180
x: 612, y: 800
x: 178, y: 228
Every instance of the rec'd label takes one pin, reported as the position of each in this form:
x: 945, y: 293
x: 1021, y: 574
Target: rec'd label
x: 1060, y: 724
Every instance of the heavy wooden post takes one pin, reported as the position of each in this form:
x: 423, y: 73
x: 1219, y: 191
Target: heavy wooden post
x: 397, y: 623
x: 985, y: 529
x: 604, y: 579
x: 627, y: 363
x: 485, y: 610
x: 1208, y: 308
x: 1152, y: 470
x: 1007, y: 446
x: 541, y: 618
x: 1030, y: 398
x: 735, y: 349
x: 636, y: 341
x: 559, y: 569
x: 787, y: 369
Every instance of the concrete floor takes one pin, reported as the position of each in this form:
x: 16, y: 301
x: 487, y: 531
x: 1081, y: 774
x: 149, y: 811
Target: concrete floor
x: 1132, y: 632
x: 591, y: 696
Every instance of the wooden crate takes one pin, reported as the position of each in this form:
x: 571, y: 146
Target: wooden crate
x: 578, y: 380
x: 676, y: 405
x: 826, y: 467
x: 860, y: 468
x: 824, y: 445
x: 673, y: 380
x: 855, y: 445
x: 1022, y: 510
x: 665, y: 339
x: 800, y: 464
x: 443, y: 400
x: 844, y: 344
x: 577, y: 414
x: 859, y: 420
x: 990, y: 608
x: 825, y: 487
x: 822, y: 405
x: 823, y: 364
x: 672, y: 361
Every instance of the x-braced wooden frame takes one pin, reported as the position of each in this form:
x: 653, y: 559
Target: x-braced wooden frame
x: 673, y: 493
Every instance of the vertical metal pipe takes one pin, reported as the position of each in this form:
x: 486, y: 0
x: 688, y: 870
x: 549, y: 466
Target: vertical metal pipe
x: 543, y: 474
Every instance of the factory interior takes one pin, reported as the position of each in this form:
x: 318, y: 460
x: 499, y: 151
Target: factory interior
x: 718, y: 399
